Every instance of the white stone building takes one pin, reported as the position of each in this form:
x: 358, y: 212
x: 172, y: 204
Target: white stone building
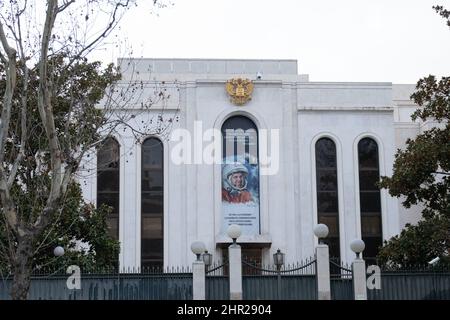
x: 334, y: 140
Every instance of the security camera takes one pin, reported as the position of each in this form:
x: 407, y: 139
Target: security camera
x: 259, y: 76
x: 434, y: 261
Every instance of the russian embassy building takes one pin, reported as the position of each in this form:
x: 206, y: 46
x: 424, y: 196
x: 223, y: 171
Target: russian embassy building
x: 290, y: 154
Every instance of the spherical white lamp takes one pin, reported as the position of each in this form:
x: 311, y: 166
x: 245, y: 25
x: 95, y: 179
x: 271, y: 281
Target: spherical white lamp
x: 357, y: 246
x: 234, y: 232
x: 321, y: 231
x: 58, y: 251
x: 198, y: 248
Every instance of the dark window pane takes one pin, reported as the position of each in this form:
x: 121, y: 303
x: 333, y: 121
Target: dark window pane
x: 152, y: 228
x: 370, y: 201
x: 149, y: 161
x: 327, y: 196
x: 325, y: 153
x: 326, y: 180
x: 108, y: 180
x: 372, y: 248
x: 327, y: 202
x: 152, y: 185
x: 152, y: 154
x: 152, y: 249
x: 371, y: 225
x: 108, y: 155
x: 333, y: 247
x: 152, y: 180
x: 332, y: 223
x: 368, y: 180
x: 152, y: 204
x: 240, y: 132
x: 368, y: 153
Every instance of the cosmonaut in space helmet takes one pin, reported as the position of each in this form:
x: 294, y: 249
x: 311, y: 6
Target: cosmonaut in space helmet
x: 227, y: 173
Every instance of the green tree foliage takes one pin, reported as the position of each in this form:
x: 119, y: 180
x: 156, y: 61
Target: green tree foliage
x: 421, y: 171
x: 75, y: 83
x: 79, y: 228
x: 421, y: 174
x: 56, y: 107
x: 418, y: 244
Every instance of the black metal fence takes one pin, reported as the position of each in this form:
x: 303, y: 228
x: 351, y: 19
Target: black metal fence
x: 217, y: 282
x: 292, y: 282
x: 151, y: 284
x: 341, y: 280
x: 423, y: 283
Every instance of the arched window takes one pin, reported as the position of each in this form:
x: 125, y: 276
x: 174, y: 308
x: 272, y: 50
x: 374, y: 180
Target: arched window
x: 327, y: 193
x: 108, y: 181
x: 152, y: 206
x: 369, y: 195
x: 240, y: 180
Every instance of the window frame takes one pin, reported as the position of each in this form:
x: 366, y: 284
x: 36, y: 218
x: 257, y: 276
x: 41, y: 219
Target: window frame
x: 320, y: 172
x: 367, y: 209
x: 147, y: 261
x: 114, y: 191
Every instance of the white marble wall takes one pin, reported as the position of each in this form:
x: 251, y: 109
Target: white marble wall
x: 303, y: 112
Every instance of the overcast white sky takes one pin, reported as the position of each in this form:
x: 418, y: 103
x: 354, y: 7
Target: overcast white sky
x: 397, y: 41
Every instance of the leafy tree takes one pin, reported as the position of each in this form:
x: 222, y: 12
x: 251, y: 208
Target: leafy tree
x: 421, y: 174
x: 50, y: 119
x: 418, y: 244
x: 422, y: 171
x: 79, y: 228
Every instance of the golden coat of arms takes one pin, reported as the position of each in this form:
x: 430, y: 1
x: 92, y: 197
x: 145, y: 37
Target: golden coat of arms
x: 240, y: 90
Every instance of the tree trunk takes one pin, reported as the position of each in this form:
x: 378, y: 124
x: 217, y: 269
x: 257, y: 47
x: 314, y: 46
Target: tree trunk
x: 22, y: 269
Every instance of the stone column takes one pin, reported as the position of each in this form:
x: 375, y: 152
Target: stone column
x: 234, y: 254
x: 359, y: 279
x: 323, y: 272
x: 198, y: 278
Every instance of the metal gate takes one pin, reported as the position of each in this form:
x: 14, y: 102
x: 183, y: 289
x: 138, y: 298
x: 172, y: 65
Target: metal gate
x: 341, y: 281
x: 217, y: 282
x: 290, y: 282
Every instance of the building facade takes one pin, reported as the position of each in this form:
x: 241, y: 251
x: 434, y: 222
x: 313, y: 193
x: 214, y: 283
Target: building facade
x: 300, y: 153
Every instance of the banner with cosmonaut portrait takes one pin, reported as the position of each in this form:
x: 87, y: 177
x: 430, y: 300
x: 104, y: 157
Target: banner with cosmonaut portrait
x: 240, y: 176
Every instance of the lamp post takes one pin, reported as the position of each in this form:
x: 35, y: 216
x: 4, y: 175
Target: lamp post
x: 278, y: 260
x: 198, y: 271
x: 207, y: 259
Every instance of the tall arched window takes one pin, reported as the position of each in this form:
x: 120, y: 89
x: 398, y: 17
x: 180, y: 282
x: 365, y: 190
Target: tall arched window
x: 369, y: 195
x: 108, y: 181
x: 327, y: 193
x: 240, y: 180
x: 152, y: 206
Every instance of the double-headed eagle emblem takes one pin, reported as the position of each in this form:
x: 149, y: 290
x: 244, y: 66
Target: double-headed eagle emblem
x: 240, y: 90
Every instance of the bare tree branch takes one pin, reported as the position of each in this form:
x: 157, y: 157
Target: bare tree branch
x: 45, y: 107
x: 106, y: 31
